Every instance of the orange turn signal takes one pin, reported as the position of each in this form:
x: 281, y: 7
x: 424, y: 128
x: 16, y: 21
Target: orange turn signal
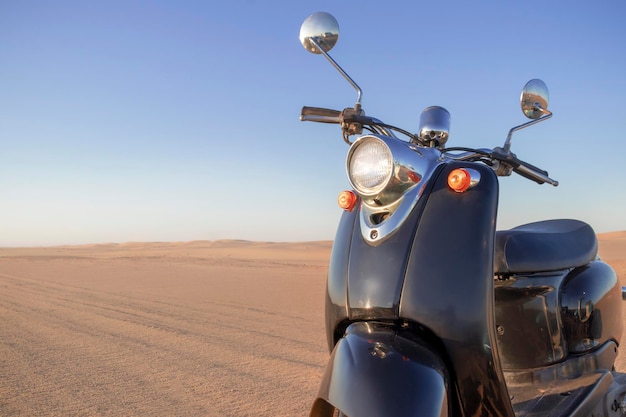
x: 347, y: 200
x: 459, y: 180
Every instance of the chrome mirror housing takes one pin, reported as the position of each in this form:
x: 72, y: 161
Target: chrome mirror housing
x: 318, y: 34
x: 319, y: 29
x: 534, y: 102
x: 534, y: 99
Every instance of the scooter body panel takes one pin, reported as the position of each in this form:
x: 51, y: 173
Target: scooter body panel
x: 336, y: 284
x: 543, y: 318
x: 365, y: 281
x: 449, y: 287
x: 376, y: 371
x: 437, y: 272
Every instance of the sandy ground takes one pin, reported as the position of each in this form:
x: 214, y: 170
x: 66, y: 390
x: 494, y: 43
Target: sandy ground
x: 226, y: 328
x: 202, y: 328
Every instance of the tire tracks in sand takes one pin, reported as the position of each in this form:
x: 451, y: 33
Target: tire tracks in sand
x: 70, y: 349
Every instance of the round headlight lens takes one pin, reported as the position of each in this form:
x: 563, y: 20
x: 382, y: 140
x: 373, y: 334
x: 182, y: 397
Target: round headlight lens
x: 370, y: 166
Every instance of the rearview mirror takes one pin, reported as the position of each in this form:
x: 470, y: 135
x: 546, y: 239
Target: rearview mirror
x: 323, y: 29
x: 534, y: 99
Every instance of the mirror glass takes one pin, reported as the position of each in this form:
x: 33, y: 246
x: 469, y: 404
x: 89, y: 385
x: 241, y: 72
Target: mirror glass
x: 322, y: 27
x: 535, y: 97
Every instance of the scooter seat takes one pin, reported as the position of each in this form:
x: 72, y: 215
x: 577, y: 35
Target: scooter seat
x: 545, y: 246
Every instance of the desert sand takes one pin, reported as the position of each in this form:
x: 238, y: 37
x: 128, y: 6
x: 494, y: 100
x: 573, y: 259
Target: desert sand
x: 224, y: 328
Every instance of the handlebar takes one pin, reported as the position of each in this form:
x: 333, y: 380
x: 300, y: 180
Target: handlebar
x: 508, y: 163
x: 320, y: 115
x: 522, y: 168
x: 355, y: 116
x: 533, y: 173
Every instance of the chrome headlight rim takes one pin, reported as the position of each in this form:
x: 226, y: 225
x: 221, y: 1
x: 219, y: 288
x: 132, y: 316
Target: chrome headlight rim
x: 413, y: 166
x: 367, y: 174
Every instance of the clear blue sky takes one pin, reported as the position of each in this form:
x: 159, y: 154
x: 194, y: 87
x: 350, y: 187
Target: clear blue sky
x: 178, y: 120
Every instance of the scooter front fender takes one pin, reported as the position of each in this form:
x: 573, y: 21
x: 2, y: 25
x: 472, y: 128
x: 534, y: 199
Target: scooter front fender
x: 375, y: 371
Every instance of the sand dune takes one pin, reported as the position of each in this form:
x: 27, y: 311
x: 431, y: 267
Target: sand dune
x: 219, y: 328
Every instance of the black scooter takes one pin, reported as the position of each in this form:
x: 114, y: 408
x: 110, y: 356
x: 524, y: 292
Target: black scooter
x: 432, y: 312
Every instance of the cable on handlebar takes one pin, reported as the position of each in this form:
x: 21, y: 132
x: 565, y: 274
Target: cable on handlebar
x: 463, y: 149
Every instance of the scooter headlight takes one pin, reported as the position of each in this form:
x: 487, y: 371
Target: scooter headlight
x: 381, y: 169
x: 370, y: 166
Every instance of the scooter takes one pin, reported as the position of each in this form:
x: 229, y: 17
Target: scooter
x: 432, y: 312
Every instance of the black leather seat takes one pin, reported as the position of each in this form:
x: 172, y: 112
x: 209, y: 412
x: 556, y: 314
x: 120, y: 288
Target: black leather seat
x: 545, y: 246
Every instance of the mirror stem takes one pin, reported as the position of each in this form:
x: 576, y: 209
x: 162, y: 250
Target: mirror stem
x: 507, y: 143
x: 341, y: 71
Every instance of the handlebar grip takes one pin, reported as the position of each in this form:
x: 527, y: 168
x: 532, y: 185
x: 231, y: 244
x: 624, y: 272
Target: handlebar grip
x: 320, y: 115
x: 533, y: 173
x: 522, y: 168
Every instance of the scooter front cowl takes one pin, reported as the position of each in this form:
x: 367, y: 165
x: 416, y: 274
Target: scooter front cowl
x: 374, y: 370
